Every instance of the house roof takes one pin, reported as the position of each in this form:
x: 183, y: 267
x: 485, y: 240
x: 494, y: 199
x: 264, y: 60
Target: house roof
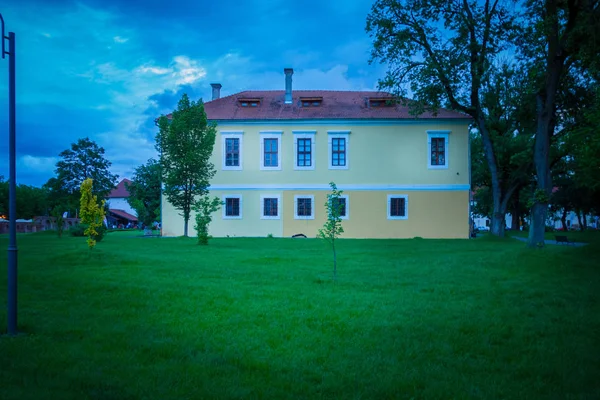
x: 334, y: 105
x: 120, y: 190
x: 123, y: 214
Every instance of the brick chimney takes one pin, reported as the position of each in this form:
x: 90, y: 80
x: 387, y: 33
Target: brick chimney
x: 216, y: 87
x: 288, y: 84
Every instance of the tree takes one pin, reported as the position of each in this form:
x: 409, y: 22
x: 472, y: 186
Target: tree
x: 204, y: 208
x: 85, y: 159
x: 559, y: 41
x: 92, y: 213
x: 333, y: 226
x: 144, y: 192
x: 185, y: 143
x: 443, y: 51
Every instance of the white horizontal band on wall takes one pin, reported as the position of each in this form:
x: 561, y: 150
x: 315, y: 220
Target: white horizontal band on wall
x: 342, y: 187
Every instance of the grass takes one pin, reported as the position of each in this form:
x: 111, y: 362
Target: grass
x: 145, y: 318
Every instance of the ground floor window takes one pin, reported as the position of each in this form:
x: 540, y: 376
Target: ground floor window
x: 343, y: 204
x: 270, y: 206
x: 232, y: 209
x: 304, y: 207
x: 397, y: 207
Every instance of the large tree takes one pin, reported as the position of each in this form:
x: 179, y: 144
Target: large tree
x: 443, y: 52
x: 85, y: 159
x: 560, y: 40
x: 144, y: 192
x: 185, y: 143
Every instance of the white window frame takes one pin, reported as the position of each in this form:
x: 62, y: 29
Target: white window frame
x: 231, y: 135
x: 305, y: 135
x: 347, y: 216
x: 438, y: 134
x: 312, y: 206
x: 389, y: 203
x: 338, y: 135
x: 232, y: 196
x: 270, y: 135
x: 262, y: 206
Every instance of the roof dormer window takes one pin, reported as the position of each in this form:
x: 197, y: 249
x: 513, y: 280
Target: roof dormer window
x: 311, y: 101
x: 380, y: 102
x: 245, y: 102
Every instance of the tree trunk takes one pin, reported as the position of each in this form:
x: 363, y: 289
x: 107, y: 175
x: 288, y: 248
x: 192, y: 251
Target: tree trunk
x: 498, y: 214
x: 578, y: 213
x: 563, y: 219
x: 185, y: 226
x: 584, y: 222
x: 514, y: 223
x: 334, y: 260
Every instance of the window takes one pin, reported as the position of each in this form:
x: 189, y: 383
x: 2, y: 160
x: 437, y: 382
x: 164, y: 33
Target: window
x: 270, y: 149
x: 338, y: 149
x: 232, y: 152
x: 232, y: 209
x: 249, y: 102
x: 304, y: 150
x: 397, y: 207
x: 311, y: 101
x: 437, y: 144
x: 343, y: 202
x: 304, y: 207
x: 231, y: 142
x: 270, y: 206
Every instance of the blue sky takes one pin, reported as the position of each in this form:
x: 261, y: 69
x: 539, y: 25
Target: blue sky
x: 106, y: 68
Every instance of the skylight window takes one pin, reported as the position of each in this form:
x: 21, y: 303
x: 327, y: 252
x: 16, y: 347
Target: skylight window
x: 380, y: 102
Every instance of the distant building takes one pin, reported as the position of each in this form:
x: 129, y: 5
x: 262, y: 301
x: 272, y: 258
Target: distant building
x: 120, y: 212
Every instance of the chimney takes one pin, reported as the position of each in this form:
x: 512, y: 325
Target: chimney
x: 216, y: 90
x: 288, y: 84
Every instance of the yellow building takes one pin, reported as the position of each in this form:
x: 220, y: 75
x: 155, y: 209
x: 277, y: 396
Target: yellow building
x: 277, y: 151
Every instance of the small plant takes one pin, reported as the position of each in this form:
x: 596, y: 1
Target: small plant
x: 92, y: 214
x: 204, y: 208
x: 333, y: 227
x: 60, y: 221
x: 270, y: 236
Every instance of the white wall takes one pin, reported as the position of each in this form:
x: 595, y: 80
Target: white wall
x: 120, y: 203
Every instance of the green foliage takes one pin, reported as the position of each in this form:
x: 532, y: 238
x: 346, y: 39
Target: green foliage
x: 85, y: 159
x: 204, y: 209
x: 31, y: 201
x: 185, y: 144
x: 80, y: 229
x: 91, y: 213
x: 57, y: 213
x: 144, y: 192
x: 333, y: 226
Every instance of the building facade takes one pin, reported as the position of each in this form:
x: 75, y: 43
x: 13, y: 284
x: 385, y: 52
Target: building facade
x: 277, y: 151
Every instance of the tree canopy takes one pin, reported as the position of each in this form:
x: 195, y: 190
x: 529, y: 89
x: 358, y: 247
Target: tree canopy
x: 185, y: 143
x: 144, y: 192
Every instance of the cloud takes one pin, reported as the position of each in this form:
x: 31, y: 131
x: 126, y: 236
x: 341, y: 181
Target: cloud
x: 119, y: 39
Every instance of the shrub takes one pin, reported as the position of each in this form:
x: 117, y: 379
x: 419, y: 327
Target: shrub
x: 79, y: 231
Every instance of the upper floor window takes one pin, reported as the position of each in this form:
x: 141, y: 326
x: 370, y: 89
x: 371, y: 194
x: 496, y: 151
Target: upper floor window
x: 304, y: 150
x: 232, y: 209
x: 304, y: 207
x: 311, y: 101
x: 249, y: 102
x: 397, y: 207
x: 231, y: 143
x: 437, y: 149
x: 270, y: 150
x: 338, y: 149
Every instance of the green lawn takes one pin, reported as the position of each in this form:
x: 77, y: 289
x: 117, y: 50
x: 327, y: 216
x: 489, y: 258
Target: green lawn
x: 161, y: 318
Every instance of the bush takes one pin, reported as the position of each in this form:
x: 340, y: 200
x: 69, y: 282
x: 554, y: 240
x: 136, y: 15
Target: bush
x: 79, y: 229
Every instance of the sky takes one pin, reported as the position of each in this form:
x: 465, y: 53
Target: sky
x: 105, y: 69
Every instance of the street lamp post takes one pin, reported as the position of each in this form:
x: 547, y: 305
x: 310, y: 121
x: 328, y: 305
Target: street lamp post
x: 12, y: 197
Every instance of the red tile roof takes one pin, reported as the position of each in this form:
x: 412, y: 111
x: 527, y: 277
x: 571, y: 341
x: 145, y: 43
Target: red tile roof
x: 120, y: 190
x: 335, y: 105
x: 123, y: 214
